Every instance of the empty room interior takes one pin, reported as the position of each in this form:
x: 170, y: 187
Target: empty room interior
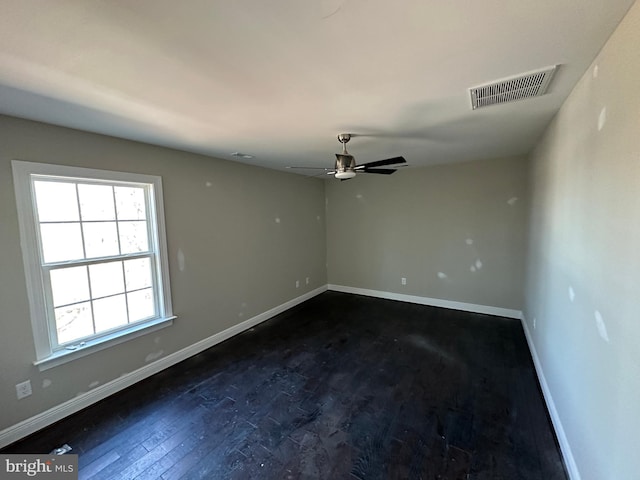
x: 321, y: 239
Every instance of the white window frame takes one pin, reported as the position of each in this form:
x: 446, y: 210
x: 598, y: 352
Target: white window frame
x: 36, y: 273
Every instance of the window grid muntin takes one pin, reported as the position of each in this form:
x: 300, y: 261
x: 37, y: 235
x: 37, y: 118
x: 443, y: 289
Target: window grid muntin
x: 64, y: 305
x: 84, y: 246
x: 151, y: 253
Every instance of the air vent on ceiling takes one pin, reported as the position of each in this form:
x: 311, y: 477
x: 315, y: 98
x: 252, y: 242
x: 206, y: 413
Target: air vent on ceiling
x: 532, y: 84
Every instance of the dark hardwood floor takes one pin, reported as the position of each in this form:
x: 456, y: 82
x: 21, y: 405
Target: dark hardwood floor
x: 341, y: 386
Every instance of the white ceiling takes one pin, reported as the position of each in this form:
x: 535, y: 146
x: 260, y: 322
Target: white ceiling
x: 279, y: 79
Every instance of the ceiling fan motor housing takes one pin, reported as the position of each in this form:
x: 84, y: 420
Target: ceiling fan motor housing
x: 345, y: 166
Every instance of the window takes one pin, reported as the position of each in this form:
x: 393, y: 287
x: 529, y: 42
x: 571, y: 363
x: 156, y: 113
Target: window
x: 94, y: 250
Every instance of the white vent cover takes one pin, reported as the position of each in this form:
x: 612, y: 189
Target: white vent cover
x: 527, y: 85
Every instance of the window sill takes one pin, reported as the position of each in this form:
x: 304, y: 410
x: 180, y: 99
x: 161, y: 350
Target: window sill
x: 63, y: 356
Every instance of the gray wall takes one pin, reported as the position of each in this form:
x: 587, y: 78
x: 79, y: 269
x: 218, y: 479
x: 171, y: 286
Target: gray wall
x: 455, y: 232
x: 238, y: 260
x: 583, y: 286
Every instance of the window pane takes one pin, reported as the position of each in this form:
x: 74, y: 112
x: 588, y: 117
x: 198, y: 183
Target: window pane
x: 106, y: 279
x: 56, y: 202
x: 96, y: 202
x: 133, y: 237
x: 73, y: 322
x: 130, y: 203
x: 110, y: 312
x: 137, y: 273
x: 141, y: 305
x: 100, y: 239
x: 61, y: 241
x: 69, y: 285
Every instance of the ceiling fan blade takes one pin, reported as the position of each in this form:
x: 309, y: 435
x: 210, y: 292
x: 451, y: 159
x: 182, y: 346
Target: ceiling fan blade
x: 380, y: 163
x: 383, y: 171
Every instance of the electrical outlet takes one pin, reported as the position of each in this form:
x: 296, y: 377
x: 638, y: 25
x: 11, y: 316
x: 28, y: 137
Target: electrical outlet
x: 297, y: 283
x: 23, y: 389
x: 403, y: 281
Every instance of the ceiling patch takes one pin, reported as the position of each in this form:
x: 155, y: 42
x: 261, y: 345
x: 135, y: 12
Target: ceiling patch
x: 527, y: 85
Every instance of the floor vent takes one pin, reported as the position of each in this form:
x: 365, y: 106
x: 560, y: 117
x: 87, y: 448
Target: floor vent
x: 532, y: 84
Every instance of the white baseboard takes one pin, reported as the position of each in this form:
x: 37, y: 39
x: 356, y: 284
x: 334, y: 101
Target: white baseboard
x: 433, y: 302
x: 48, y: 417
x: 569, y: 460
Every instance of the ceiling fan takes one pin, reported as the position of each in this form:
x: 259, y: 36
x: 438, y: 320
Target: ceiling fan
x: 346, y: 167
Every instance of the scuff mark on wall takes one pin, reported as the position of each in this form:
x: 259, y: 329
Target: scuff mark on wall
x: 602, y: 118
x: 243, y: 308
x: 602, y: 328
x: 181, y: 260
x: 46, y: 383
x: 154, y: 356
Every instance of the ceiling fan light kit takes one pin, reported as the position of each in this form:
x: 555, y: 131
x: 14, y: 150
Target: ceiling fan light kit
x: 345, y: 175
